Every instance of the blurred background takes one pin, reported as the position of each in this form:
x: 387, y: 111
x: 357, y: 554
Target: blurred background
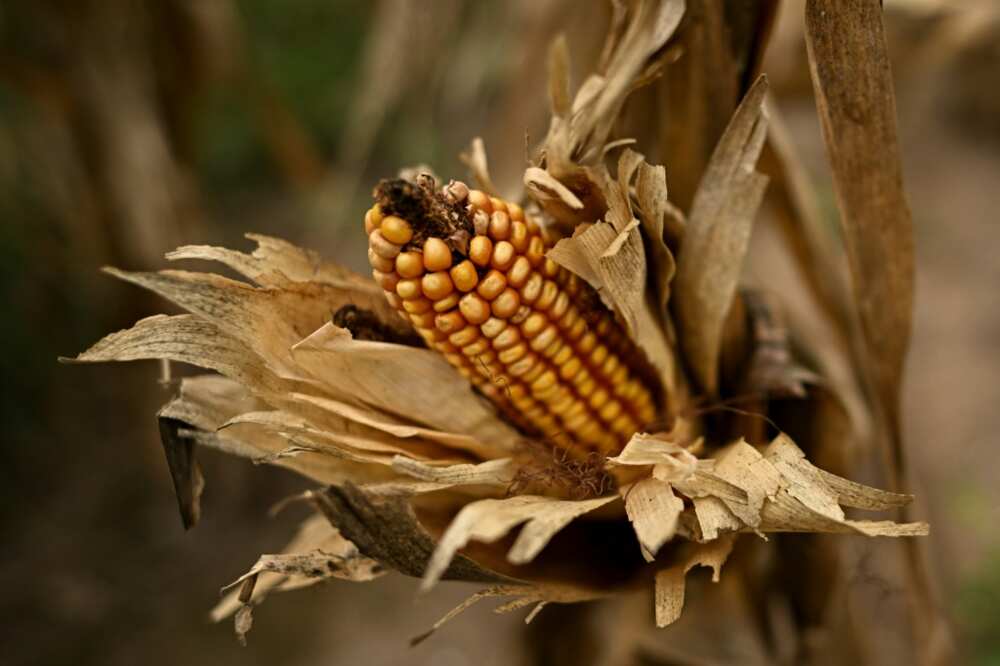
x: 130, y: 127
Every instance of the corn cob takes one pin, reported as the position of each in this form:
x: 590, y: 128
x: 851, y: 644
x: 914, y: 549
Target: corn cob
x: 469, y: 272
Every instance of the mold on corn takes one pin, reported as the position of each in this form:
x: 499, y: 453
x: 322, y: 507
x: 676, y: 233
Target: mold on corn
x: 469, y: 272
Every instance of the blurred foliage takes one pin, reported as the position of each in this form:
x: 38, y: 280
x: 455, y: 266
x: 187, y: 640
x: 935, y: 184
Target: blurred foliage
x: 978, y: 603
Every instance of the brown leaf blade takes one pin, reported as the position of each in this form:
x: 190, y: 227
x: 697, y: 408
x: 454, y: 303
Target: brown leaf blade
x: 717, y: 235
x: 857, y: 109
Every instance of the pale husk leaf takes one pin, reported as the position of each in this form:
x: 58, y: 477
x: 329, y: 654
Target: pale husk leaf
x: 716, y: 237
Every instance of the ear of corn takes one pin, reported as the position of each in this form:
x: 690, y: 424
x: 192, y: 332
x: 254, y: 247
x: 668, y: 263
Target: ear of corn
x: 528, y: 333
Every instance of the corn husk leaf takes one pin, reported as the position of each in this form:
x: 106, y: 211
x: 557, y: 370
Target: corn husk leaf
x: 490, y: 519
x: 857, y: 109
x: 670, y: 584
x: 716, y: 237
x: 316, y: 553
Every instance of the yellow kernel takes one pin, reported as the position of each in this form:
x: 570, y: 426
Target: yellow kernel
x: 386, y: 280
x: 610, y: 410
x: 560, y: 405
x: 536, y: 250
x: 599, y: 398
x: 506, y: 304
x: 518, y: 392
x: 417, y: 305
x: 480, y: 250
x: 561, y: 355
x: 428, y: 336
x: 381, y: 246
x: 479, y: 199
x: 503, y: 256
x: 423, y: 320
x: 577, y: 423
x: 544, y: 381
x: 515, y: 211
x: 519, y: 272
x: 509, y: 337
x: 449, y: 322
x: 571, y: 283
x: 547, y: 394
x: 486, y: 356
x: 569, y: 369
x: 477, y: 348
x: 519, y: 236
x: 545, y: 338
x: 410, y: 264
x: 523, y: 366
x: 408, y: 289
x: 491, y: 285
x: 493, y: 327
x: 585, y: 387
x: 513, y: 354
x: 499, y: 226
x: 474, y: 308
x: 534, y: 324
x: 436, y: 285
x: 536, y: 370
x: 532, y: 288
x: 610, y: 365
x: 625, y: 425
x: 586, y: 343
x: 379, y: 263
x: 444, y: 346
x: 447, y: 303
x: 549, y: 292
x: 464, y: 276
x: 498, y: 204
x: 577, y: 330
x: 372, y: 219
x: 437, y: 255
x: 396, y: 230
x: 550, y: 268
x: 522, y: 313
x: 599, y: 354
x: 620, y: 375
x: 569, y: 318
x: 559, y: 306
x: 466, y: 336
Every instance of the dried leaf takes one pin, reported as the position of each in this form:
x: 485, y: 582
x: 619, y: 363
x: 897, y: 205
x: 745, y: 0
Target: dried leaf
x: 184, y: 470
x: 524, y: 595
x: 475, y: 159
x: 317, y: 552
x: 854, y: 96
x: 383, y: 375
x: 654, y: 511
x: 498, y: 472
x: 491, y: 519
x: 716, y: 237
x: 670, y: 582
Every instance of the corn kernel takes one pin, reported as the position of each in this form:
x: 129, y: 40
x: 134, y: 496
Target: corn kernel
x: 464, y: 276
x: 436, y: 285
x: 396, y: 230
x: 437, y: 255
